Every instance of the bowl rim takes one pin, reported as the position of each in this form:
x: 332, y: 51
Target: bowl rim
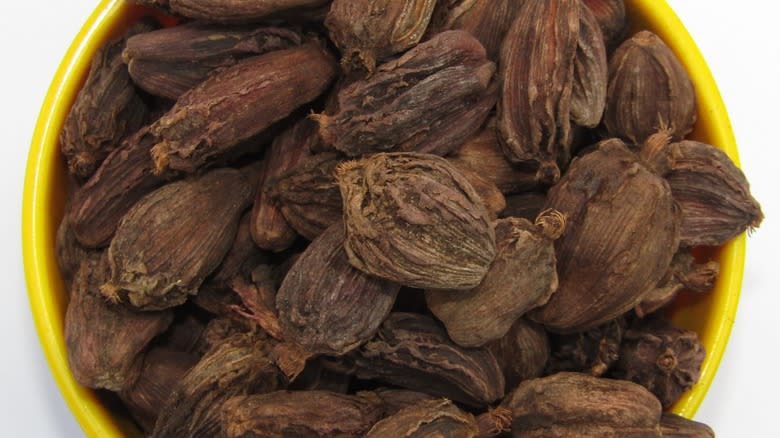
x: 38, y: 243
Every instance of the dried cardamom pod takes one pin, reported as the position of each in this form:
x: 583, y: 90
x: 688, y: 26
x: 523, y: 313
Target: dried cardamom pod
x: 649, y: 91
x: 482, y: 154
x: 611, y: 16
x: 427, y: 419
x: 623, y: 230
x: 270, y: 229
x: 661, y: 357
x: 491, y: 197
x: 429, y: 100
x: 308, y: 194
x: 414, y: 352
x: 237, y: 365
x: 104, y: 340
x: 675, y: 426
x: 300, y: 413
x: 367, y: 31
x: 521, y: 277
x: 233, y: 11
x: 589, y: 90
x: 683, y: 273
x: 396, y: 399
x: 592, y: 352
x: 522, y: 352
x: 414, y: 219
x: 238, y: 102
x: 524, y: 205
x: 574, y: 404
x: 107, y: 109
x: 327, y: 306
x: 162, y: 371
x: 712, y: 193
x: 172, y: 239
x: 170, y: 61
x: 487, y: 20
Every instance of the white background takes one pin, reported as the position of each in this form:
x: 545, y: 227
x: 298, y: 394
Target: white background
x: 741, y: 45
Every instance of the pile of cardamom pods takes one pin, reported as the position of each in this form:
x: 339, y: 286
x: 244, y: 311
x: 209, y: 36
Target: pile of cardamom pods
x: 384, y: 218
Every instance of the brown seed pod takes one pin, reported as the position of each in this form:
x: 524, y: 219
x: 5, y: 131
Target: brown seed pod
x: 649, y: 91
x: 414, y: 219
x: 426, y: 419
x: 234, y: 11
x: 675, y: 426
x: 623, y: 231
x: 611, y: 17
x: 429, y: 100
x: 522, y: 352
x: 521, y: 277
x: 574, y: 404
x: 414, y: 352
x: 300, y: 413
x: 661, y: 357
x: 168, y: 62
x: 367, y: 31
x: 172, y: 239
x: 327, y: 306
x: 589, y: 89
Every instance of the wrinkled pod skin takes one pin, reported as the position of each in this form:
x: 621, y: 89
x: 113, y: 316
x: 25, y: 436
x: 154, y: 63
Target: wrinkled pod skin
x: 428, y: 418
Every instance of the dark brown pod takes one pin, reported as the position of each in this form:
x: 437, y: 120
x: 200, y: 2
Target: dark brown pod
x: 235, y: 11
x: 589, y: 90
x: 522, y: 352
x: 521, y: 277
x: 238, y: 365
x: 487, y: 20
x: 162, y: 371
x: 367, y: 31
x: 327, y: 306
x: 270, y: 229
x: 482, y: 154
x: 429, y: 100
x: 414, y: 352
x: 105, y: 340
x: 238, y: 102
x: 713, y: 194
x: 107, y: 108
x: 525, y: 205
x: 661, y: 357
x: 172, y: 239
x: 428, y: 418
x: 414, y: 219
x: 170, y: 61
x: 675, y: 426
x: 611, y: 17
x: 574, y: 404
x: 591, y: 352
x: 623, y: 229
x: 300, y: 413
x: 308, y: 194
x: 649, y: 91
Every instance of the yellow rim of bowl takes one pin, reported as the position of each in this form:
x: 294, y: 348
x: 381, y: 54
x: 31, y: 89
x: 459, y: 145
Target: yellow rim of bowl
x: 38, y: 215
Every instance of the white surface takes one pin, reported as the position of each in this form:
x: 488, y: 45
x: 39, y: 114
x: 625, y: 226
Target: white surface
x: 737, y: 39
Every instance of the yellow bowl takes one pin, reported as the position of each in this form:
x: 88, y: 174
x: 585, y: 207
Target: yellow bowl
x: 711, y: 315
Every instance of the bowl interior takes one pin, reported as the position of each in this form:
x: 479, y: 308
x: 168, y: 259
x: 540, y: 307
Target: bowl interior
x: 710, y: 315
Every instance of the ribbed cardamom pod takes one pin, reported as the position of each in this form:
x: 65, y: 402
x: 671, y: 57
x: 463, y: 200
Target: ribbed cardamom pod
x: 589, y: 90
x: 522, y: 352
x: 622, y: 232
x: 300, y: 413
x: 308, y: 194
x: 368, y: 31
x: 591, y: 352
x: 237, y: 365
x: 675, y: 426
x: 414, y: 219
x: 107, y: 109
x: 649, y: 91
x: 663, y: 358
x: 487, y: 20
x: 233, y: 11
x: 611, y: 16
x: 521, y: 277
x: 270, y: 229
x: 713, y: 194
x: 238, y: 102
x: 426, y: 419
x: 327, y: 306
x: 413, y: 351
x: 172, y: 239
x: 104, y: 340
x: 430, y: 100
x: 170, y: 61
x: 574, y: 404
